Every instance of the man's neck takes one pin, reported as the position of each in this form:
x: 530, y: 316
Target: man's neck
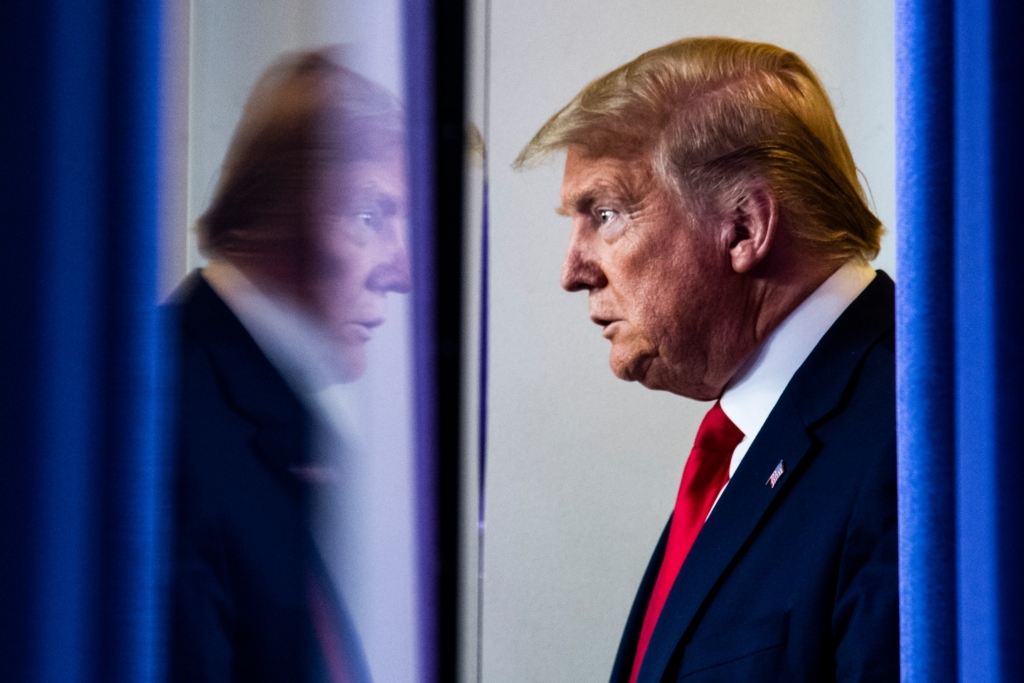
x: 289, y: 335
x: 756, y: 387
x: 787, y: 286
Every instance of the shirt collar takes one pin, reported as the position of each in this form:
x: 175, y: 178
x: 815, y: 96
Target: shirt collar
x: 290, y: 337
x: 752, y: 393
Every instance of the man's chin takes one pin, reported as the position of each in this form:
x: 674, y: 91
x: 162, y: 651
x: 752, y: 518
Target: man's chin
x: 631, y: 369
x: 655, y: 376
x: 350, y: 363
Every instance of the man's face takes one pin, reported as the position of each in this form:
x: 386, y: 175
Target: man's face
x: 655, y: 279
x: 360, y: 253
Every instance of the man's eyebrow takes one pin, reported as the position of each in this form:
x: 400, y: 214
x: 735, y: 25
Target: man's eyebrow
x: 583, y: 201
x: 577, y: 204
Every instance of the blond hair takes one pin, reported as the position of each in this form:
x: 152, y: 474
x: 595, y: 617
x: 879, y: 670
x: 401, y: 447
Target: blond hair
x: 714, y: 113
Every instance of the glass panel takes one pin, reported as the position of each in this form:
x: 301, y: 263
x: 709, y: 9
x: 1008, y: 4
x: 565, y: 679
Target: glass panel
x: 296, y: 511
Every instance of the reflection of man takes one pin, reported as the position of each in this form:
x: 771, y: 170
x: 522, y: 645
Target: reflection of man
x: 306, y: 236
x: 721, y: 234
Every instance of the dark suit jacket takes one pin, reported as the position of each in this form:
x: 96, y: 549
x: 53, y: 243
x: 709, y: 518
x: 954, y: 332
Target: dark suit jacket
x: 797, y: 582
x: 243, y: 553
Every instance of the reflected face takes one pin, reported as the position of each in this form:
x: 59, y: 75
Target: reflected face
x: 653, y: 277
x: 360, y: 253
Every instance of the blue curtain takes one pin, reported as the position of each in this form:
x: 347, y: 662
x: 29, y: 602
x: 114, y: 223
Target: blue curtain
x: 81, y: 472
x: 960, y: 87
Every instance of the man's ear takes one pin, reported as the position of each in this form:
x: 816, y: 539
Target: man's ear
x: 752, y: 226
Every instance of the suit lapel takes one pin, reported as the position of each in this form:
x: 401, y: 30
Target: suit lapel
x: 787, y: 435
x: 623, y: 667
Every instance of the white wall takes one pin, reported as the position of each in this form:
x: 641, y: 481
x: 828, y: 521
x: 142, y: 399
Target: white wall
x: 583, y: 468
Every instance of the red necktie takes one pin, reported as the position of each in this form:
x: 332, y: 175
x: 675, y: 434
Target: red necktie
x: 705, y: 474
x: 327, y: 626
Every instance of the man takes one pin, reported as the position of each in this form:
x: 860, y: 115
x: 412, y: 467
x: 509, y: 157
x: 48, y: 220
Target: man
x: 306, y: 236
x: 722, y: 236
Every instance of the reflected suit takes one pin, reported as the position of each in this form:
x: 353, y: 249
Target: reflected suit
x: 244, y: 560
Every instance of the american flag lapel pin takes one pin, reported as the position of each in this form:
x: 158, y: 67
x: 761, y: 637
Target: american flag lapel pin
x: 780, y: 469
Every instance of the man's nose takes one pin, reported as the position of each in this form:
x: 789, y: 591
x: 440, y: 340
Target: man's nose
x: 580, y: 270
x: 394, y: 274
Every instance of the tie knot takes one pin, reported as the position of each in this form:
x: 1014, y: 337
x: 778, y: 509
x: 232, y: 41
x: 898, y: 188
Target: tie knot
x: 717, y: 432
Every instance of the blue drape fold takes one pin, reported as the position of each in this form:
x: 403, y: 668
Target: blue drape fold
x: 960, y: 81
x: 925, y: 344
x: 80, y: 360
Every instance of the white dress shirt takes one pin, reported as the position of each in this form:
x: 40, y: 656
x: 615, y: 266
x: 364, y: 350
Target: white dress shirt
x: 752, y: 393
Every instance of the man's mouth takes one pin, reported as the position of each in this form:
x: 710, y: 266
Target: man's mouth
x: 361, y: 330
x: 607, y: 324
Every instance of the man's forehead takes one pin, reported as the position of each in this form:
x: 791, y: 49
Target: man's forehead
x: 588, y: 176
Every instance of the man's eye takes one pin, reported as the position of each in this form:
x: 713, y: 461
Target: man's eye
x: 369, y: 219
x: 605, y: 216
